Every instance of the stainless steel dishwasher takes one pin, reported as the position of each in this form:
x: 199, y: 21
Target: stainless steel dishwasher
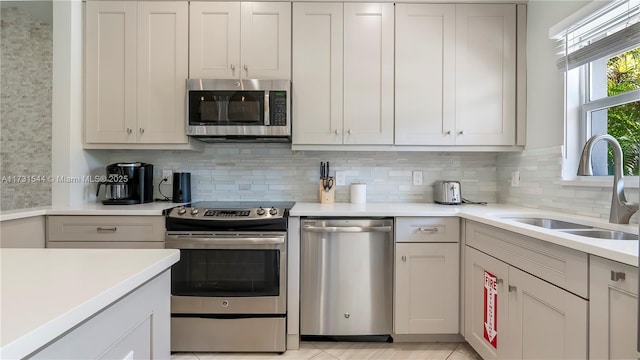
x: 346, y: 276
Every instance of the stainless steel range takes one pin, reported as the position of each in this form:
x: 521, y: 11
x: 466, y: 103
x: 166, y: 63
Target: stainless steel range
x: 229, y: 287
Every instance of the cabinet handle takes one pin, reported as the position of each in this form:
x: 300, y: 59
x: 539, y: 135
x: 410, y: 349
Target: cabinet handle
x: 499, y: 281
x: 428, y: 230
x: 512, y: 288
x: 335, y: 131
x: 615, y: 275
x: 111, y: 229
x: 233, y: 68
x: 129, y: 131
x: 246, y: 69
x: 141, y: 131
x: 448, y: 132
x: 460, y: 132
x: 349, y: 131
x: 404, y: 258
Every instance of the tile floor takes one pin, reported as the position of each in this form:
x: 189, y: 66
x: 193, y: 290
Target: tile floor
x: 353, y: 351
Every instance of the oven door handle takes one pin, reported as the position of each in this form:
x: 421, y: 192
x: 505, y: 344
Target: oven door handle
x: 346, y: 229
x: 177, y: 242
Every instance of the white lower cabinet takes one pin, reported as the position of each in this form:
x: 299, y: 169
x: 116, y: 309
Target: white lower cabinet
x: 613, y: 310
x: 427, y: 275
x: 527, y: 299
x: 427, y: 288
x: 101, y: 232
x: 134, y: 327
x: 532, y: 318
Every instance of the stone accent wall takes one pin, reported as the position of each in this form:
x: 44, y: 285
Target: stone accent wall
x: 227, y: 172
x: 541, y: 185
x: 26, y: 60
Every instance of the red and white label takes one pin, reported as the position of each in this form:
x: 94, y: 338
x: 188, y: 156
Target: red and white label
x: 491, y: 309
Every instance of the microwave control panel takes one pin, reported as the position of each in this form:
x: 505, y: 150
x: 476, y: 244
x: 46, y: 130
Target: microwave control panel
x: 278, y: 106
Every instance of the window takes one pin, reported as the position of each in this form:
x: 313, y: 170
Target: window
x: 600, y: 53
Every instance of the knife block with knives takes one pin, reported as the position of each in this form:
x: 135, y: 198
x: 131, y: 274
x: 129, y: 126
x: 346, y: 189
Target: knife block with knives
x: 326, y: 188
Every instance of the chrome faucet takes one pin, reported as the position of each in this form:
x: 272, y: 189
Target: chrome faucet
x: 621, y: 210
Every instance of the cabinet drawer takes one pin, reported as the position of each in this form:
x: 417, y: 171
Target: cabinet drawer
x: 105, y: 228
x: 561, y: 266
x: 427, y: 229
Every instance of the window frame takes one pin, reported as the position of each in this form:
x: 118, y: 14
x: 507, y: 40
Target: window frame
x: 578, y: 109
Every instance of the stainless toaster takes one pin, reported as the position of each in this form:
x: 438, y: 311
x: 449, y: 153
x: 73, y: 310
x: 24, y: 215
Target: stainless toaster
x: 447, y: 192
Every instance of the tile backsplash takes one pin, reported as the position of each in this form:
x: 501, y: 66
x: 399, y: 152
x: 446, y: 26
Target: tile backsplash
x: 236, y: 171
x: 26, y: 60
x: 541, y: 186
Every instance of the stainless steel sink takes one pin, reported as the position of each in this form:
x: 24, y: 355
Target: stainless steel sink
x: 551, y: 223
x: 603, y: 234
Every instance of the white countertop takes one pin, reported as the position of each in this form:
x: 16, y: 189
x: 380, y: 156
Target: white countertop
x: 152, y: 208
x: 46, y: 292
x: 624, y: 251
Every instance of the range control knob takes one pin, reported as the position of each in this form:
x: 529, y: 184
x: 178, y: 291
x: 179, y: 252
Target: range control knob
x: 182, y: 211
x: 260, y: 211
x: 273, y: 211
x: 194, y: 211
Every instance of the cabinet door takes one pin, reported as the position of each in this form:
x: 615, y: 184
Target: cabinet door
x: 613, y: 311
x: 479, y: 268
x: 266, y: 40
x: 214, y: 40
x: 545, y: 321
x: 424, y: 81
x: 162, y: 71
x: 427, y: 288
x: 368, y: 73
x: 110, y: 71
x: 317, y: 73
x: 485, y: 74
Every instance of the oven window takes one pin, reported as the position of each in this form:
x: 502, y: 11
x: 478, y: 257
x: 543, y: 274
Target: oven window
x: 226, y: 108
x: 215, y: 272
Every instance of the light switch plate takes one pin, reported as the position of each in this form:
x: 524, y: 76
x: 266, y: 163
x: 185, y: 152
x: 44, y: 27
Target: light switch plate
x: 417, y: 177
x: 515, y: 179
x: 340, y: 181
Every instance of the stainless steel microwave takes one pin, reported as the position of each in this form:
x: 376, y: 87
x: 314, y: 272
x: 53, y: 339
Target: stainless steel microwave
x: 239, y: 110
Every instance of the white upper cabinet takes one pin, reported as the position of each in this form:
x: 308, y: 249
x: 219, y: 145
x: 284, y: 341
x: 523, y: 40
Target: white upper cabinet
x: 214, y: 40
x: 485, y: 103
x: 162, y: 70
x: 136, y: 66
x: 368, y: 73
x: 425, y: 77
x: 317, y: 73
x: 230, y: 40
x: 343, y: 73
x: 110, y: 72
x: 455, y: 74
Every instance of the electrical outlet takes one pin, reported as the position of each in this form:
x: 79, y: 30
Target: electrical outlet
x: 515, y: 179
x: 167, y: 174
x: 340, y: 181
x: 417, y: 177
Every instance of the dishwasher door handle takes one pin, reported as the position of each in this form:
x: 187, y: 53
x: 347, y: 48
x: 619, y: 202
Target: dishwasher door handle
x: 346, y: 229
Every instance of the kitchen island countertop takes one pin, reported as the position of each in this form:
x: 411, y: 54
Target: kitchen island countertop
x: 47, y: 292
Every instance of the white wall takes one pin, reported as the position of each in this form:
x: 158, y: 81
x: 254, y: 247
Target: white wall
x: 545, y: 87
x: 68, y: 157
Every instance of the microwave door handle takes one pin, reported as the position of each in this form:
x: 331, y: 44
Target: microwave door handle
x: 267, y: 121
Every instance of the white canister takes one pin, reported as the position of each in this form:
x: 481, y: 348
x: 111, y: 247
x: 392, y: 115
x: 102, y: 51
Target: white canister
x: 358, y: 193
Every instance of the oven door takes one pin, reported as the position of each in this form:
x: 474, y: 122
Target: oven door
x: 228, y: 273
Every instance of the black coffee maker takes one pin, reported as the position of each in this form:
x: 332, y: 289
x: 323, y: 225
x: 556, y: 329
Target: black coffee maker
x: 128, y: 184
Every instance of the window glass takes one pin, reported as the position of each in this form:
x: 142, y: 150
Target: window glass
x: 613, y: 107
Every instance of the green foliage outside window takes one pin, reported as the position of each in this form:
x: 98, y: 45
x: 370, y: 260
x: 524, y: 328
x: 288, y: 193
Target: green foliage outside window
x: 623, y: 75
